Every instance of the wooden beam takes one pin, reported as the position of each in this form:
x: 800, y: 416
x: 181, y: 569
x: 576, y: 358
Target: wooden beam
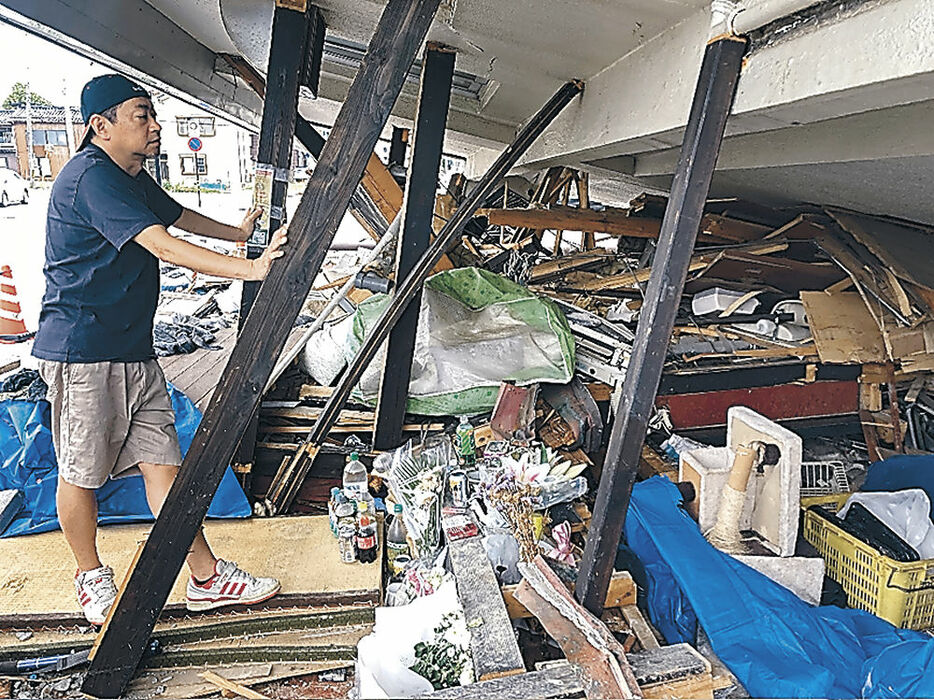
x: 583, y: 638
x: 288, y: 47
x: 493, y: 642
x: 621, y: 591
x: 558, y: 680
x: 406, y: 290
x: 610, y: 220
x: 401, y: 30
x: 414, y: 238
x: 713, y: 99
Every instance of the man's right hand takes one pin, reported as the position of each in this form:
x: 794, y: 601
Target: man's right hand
x: 260, y: 266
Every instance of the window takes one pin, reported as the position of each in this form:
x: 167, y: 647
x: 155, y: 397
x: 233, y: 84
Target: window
x: 49, y: 137
x: 206, y: 124
x: 188, y: 164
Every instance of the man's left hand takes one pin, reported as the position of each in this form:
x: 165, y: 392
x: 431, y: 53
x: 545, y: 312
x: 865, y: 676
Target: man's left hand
x: 246, y: 226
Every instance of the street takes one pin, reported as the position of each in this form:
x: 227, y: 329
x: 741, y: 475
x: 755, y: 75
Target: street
x: 22, y: 241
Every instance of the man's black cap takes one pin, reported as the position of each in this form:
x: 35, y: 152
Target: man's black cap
x: 102, y: 93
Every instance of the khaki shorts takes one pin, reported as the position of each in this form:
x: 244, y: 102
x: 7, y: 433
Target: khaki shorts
x: 107, y: 417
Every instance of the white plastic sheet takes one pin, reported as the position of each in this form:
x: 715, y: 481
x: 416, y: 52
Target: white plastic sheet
x: 906, y: 513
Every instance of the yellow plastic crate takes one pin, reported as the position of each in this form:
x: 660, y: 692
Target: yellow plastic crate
x: 900, y: 592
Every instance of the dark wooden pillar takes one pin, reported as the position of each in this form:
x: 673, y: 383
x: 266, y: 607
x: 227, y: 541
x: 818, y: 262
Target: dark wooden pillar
x: 291, y: 62
x: 398, y: 144
x: 125, y: 636
x: 284, y: 492
x: 415, y: 237
x: 713, y: 98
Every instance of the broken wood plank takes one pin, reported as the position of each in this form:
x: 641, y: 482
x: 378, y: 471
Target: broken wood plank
x: 493, y: 642
x: 560, y: 680
x: 698, y: 262
x: 235, y: 688
x: 640, y: 626
x: 676, y: 671
x: 399, y: 33
x: 583, y: 637
x: 844, y: 331
x: 622, y: 591
x: 611, y: 220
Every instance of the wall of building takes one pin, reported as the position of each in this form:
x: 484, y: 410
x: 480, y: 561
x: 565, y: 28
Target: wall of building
x: 50, y: 159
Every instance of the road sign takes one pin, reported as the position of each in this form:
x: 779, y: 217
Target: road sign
x: 194, y: 128
x: 194, y: 144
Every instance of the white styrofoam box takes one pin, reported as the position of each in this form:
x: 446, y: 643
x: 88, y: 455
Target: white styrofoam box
x: 772, y: 497
x: 718, y: 299
x: 803, y: 576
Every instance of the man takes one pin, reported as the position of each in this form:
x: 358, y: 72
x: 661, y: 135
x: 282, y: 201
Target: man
x: 111, y: 414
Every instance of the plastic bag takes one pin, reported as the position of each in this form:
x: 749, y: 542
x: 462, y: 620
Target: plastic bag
x: 384, y: 656
x: 475, y: 330
x: 502, y: 550
x: 906, y: 513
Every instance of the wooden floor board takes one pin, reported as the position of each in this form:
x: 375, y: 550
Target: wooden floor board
x: 300, y: 551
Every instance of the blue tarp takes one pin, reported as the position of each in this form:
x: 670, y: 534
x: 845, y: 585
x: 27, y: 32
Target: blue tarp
x: 774, y: 643
x: 27, y: 463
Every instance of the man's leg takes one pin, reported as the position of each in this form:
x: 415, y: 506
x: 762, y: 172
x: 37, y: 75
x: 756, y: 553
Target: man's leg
x: 158, y: 479
x: 77, y: 514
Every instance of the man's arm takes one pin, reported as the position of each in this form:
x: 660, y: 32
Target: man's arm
x: 173, y: 250
x: 193, y: 222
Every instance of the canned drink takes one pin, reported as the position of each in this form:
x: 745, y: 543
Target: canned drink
x: 346, y: 534
x: 457, y: 481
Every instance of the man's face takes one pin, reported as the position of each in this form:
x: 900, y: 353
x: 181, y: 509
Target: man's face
x: 135, y: 131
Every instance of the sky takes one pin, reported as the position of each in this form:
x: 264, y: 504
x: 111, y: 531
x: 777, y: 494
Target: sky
x: 56, y: 74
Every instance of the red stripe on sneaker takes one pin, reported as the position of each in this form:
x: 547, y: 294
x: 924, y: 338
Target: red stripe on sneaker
x: 242, y: 588
x: 224, y: 588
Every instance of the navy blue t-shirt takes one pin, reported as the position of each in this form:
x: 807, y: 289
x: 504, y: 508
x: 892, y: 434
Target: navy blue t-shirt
x: 101, y: 287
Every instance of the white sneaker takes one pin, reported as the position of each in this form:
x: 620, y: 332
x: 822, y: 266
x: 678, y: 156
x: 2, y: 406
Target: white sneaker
x: 230, y: 585
x: 96, y: 593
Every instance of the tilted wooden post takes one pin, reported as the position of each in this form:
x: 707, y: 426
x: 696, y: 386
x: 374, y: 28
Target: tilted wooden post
x: 418, y: 211
x: 287, y: 487
x: 125, y: 636
x: 713, y: 98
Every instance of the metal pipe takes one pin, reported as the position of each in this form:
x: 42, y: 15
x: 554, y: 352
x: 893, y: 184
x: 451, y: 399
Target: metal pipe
x: 286, y: 358
x: 752, y: 15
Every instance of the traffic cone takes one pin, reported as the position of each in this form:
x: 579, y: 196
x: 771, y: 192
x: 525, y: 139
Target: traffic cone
x: 12, y: 328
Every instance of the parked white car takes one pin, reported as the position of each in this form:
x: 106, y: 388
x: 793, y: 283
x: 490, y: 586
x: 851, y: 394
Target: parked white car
x: 13, y: 188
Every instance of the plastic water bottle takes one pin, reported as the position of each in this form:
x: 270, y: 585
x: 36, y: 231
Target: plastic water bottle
x: 396, y: 542
x: 332, y: 504
x: 355, y: 480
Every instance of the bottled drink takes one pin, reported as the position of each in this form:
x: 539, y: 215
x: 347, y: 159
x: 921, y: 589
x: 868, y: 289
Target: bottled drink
x: 366, y: 534
x: 396, y: 542
x: 332, y: 504
x: 466, y: 448
x: 355, y: 483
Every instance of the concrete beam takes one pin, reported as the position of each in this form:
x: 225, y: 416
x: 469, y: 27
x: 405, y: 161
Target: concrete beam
x: 852, y: 57
x: 132, y: 37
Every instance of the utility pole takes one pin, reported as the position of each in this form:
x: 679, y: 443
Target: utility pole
x: 29, y: 140
x: 69, y: 128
